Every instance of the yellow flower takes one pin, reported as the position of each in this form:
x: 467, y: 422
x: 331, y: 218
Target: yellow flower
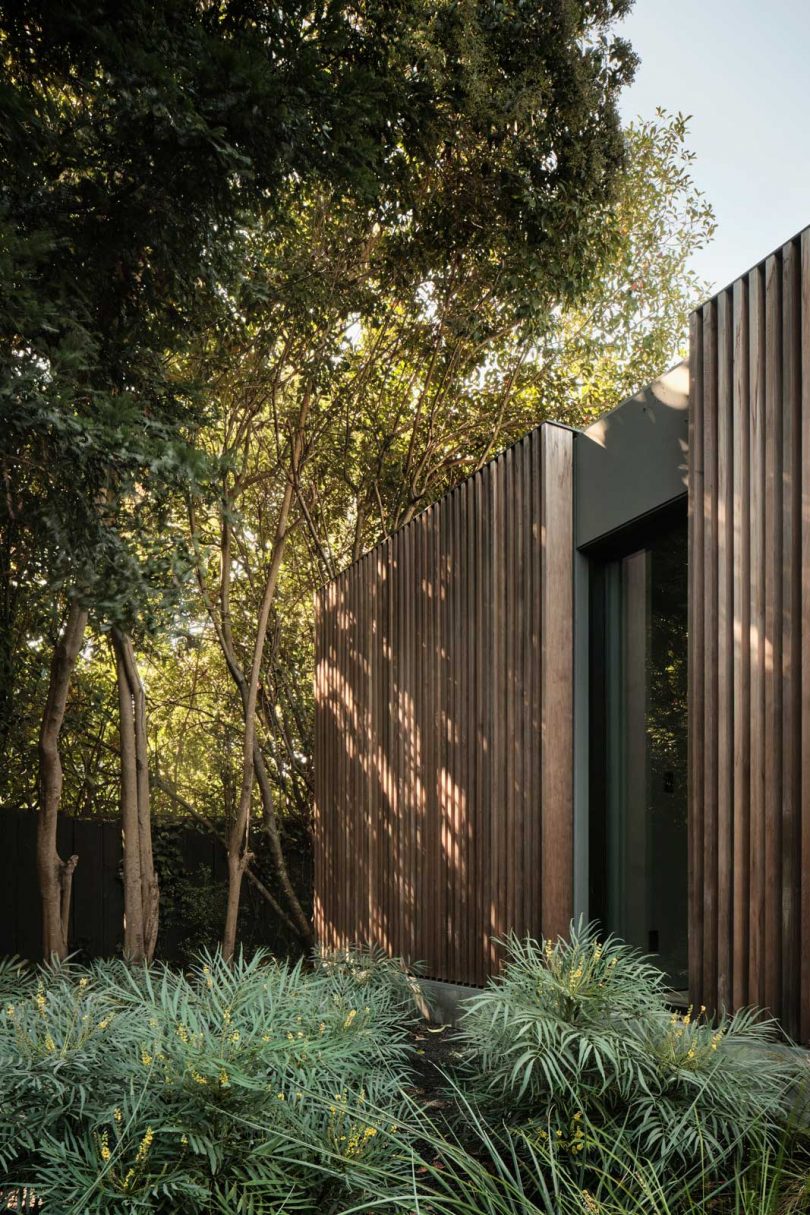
x: 350, y: 1018
x: 223, y: 1079
x: 280, y: 1096
x: 226, y: 1016
x: 182, y: 1032
x: 40, y: 1001
x: 234, y: 1037
x: 146, y: 1058
x: 83, y: 983
x: 146, y: 1143
x: 117, y: 1115
x: 103, y: 1024
x: 10, y: 1011
x: 50, y: 1045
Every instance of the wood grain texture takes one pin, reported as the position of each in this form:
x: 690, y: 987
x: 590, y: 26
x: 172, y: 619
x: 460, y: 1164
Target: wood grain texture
x: 444, y: 723
x: 749, y: 637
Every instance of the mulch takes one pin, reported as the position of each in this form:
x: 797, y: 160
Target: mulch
x: 436, y: 1051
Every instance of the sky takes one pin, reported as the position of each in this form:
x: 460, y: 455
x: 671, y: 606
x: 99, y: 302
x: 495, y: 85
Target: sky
x: 741, y: 68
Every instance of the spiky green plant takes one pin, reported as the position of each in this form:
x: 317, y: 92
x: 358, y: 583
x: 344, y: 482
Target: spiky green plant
x: 16, y: 978
x: 255, y: 1085
x: 369, y: 968
x: 482, y: 1167
x: 577, y: 1031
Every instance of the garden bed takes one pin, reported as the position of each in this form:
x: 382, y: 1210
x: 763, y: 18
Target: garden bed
x: 569, y: 1088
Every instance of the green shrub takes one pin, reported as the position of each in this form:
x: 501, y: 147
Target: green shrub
x: 576, y: 1034
x: 491, y: 1169
x: 233, y: 1088
x: 369, y: 969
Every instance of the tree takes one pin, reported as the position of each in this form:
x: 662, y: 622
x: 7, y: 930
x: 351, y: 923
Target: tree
x: 137, y: 143
x: 313, y: 326
x: 355, y: 400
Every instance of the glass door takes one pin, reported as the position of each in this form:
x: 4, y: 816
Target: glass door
x: 638, y: 840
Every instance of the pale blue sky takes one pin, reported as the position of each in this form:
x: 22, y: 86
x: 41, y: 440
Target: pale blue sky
x: 742, y: 70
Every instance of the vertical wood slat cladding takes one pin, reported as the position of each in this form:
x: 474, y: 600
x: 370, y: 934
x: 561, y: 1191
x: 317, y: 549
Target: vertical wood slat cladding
x: 749, y: 641
x: 444, y: 722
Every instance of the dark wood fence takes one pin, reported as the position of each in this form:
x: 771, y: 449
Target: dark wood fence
x: 444, y: 721
x: 749, y: 630
x: 98, y: 905
x: 96, y: 921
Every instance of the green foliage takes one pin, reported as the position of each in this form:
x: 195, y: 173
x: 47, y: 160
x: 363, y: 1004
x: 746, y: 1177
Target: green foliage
x: 490, y: 1168
x: 192, y: 899
x: 371, y: 969
x: 230, y: 1088
x: 16, y: 979
x: 576, y: 1034
x: 139, y: 149
x: 258, y: 1087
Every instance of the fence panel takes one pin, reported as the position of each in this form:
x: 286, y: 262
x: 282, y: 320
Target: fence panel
x: 749, y: 703
x: 444, y: 721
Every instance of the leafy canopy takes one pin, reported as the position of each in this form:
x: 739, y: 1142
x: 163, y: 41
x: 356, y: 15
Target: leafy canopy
x: 140, y: 143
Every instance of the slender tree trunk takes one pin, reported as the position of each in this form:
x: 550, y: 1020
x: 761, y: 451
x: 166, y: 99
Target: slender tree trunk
x: 253, y: 765
x: 250, y: 873
x: 134, y: 949
x: 56, y: 875
x: 239, y: 855
x: 270, y: 822
x: 150, y: 895
x: 141, y: 895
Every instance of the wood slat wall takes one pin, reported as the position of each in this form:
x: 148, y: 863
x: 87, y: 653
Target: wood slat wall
x: 444, y: 723
x: 749, y: 660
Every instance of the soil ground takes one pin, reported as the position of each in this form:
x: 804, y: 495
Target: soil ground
x: 436, y: 1051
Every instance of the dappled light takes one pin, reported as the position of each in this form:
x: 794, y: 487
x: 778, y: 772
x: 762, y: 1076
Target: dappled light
x: 443, y: 797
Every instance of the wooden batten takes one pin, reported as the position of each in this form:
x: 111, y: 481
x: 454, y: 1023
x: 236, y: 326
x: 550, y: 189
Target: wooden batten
x: 444, y: 723
x: 749, y: 695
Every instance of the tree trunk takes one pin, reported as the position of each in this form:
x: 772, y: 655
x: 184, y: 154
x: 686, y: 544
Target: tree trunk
x: 56, y: 875
x: 134, y: 950
x: 302, y: 924
x: 253, y: 766
x: 141, y: 895
x: 239, y: 855
x: 250, y: 873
